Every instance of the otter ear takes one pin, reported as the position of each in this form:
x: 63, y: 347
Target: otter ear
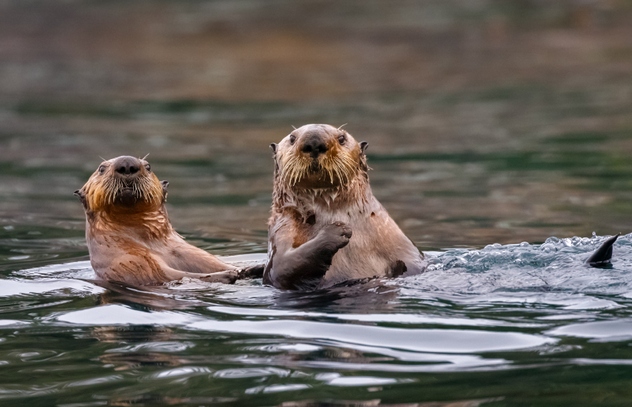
x: 164, y: 184
x: 363, y: 146
x: 273, y: 146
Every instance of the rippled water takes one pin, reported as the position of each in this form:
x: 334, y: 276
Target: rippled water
x: 488, y: 324
x: 503, y: 325
x: 490, y: 123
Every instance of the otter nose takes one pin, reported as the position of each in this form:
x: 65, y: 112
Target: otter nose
x: 314, y: 146
x: 127, y: 165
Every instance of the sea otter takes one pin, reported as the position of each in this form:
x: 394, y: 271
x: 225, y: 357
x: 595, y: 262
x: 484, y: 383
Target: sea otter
x: 326, y: 226
x: 129, y: 236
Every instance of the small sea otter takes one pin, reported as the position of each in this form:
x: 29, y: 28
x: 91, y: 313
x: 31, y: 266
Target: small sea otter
x: 326, y: 226
x: 130, y: 238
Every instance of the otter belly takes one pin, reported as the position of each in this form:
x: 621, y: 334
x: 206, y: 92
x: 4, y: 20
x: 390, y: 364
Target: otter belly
x: 377, y: 248
x: 355, y: 264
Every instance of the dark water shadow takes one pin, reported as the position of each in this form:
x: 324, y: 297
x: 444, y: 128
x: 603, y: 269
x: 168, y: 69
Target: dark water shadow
x: 356, y: 297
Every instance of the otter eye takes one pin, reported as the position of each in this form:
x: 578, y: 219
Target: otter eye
x: 148, y: 167
x: 101, y: 169
x: 342, y: 139
x: 292, y: 139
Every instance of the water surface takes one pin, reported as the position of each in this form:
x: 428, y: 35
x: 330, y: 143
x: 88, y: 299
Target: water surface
x: 498, y: 326
x: 499, y: 138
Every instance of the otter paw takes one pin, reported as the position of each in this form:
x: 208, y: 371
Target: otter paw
x: 255, y: 271
x: 337, y: 234
x: 226, y: 277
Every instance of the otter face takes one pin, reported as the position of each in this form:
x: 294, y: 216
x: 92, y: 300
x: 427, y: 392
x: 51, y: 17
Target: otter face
x: 123, y: 183
x: 319, y: 156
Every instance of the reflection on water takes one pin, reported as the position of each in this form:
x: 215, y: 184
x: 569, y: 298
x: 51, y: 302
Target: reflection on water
x: 490, y: 123
x: 476, y: 316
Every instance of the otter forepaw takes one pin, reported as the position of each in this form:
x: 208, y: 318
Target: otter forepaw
x: 226, y: 277
x: 337, y: 234
x: 255, y: 271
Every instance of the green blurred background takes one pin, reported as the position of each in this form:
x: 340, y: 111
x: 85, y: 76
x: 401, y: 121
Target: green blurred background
x: 488, y: 120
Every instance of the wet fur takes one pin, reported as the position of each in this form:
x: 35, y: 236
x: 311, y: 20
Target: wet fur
x: 326, y: 226
x: 130, y: 238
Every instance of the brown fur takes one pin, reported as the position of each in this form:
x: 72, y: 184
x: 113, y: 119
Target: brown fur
x: 129, y: 236
x: 326, y: 226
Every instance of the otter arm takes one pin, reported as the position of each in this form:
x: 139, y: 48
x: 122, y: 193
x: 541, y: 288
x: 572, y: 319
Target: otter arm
x: 226, y: 277
x: 138, y: 266
x: 181, y: 255
x: 304, y: 266
x: 195, y: 260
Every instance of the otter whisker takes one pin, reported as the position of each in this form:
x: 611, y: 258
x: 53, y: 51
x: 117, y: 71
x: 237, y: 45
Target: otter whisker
x: 297, y: 175
x: 153, y: 193
x: 297, y: 170
x: 296, y: 165
x: 345, y: 170
x: 108, y: 191
x: 333, y: 170
x: 118, y: 185
x: 143, y: 190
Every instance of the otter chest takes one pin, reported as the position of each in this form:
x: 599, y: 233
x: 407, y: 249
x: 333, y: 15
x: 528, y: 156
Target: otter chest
x: 363, y: 256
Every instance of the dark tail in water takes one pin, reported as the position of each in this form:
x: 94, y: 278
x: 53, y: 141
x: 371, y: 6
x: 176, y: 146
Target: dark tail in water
x: 601, y: 257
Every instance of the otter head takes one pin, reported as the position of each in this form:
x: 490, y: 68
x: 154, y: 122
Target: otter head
x: 123, y: 184
x: 319, y: 156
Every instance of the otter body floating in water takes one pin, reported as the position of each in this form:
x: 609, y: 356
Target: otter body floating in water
x: 326, y: 226
x: 129, y: 236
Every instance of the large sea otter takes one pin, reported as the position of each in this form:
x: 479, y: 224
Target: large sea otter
x: 326, y: 226
x: 130, y: 238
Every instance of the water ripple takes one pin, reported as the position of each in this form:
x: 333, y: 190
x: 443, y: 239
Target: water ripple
x: 500, y: 309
